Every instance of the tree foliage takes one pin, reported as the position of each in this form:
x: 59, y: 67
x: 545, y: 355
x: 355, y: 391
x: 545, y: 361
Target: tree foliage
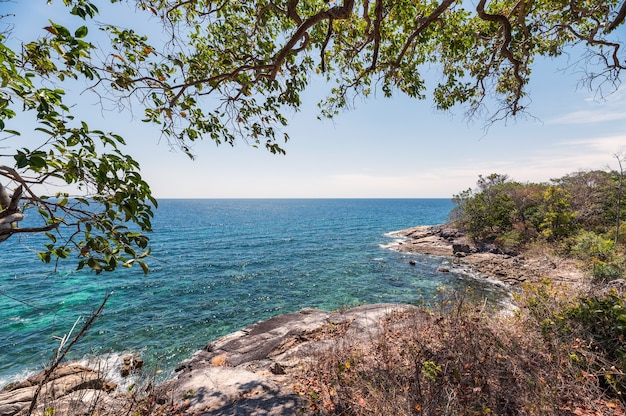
x: 93, y: 225
x: 575, y: 212
x: 229, y: 70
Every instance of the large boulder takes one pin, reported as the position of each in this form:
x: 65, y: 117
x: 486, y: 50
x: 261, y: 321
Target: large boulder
x: 461, y: 248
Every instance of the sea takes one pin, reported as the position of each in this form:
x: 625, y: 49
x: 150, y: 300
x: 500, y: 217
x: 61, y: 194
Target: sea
x: 218, y: 265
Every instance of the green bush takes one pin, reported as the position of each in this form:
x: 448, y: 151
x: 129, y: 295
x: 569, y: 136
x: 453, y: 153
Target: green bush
x: 596, y: 325
x: 589, y: 246
x: 602, y: 271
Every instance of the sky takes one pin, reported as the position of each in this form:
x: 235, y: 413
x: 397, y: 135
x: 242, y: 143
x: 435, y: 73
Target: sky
x: 383, y: 148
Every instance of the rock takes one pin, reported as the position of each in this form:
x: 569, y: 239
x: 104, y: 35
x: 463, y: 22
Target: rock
x: 443, y: 270
x: 412, y: 262
x: 65, y: 380
x: 12, y: 408
x: 277, y: 369
x: 138, y: 363
x: 486, y: 259
x: 461, y: 248
x: 283, y: 344
x: 130, y: 364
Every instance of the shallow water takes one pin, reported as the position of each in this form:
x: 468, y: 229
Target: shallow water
x: 217, y: 266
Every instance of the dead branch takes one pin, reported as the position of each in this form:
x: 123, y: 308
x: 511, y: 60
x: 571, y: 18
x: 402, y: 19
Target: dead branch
x: 63, y: 350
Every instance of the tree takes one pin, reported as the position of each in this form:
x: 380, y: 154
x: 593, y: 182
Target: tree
x: 558, y: 216
x: 592, y: 197
x: 489, y: 210
x: 620, y: 190
x: 93, y: 225
x: 229, y: 70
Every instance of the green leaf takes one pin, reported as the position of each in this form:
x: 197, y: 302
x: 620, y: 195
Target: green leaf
x: 94, y: 264
x: 37, y: 163
x: 81, y: 32
x: 21, y: 160
x: 44, y: 256
x: 144, y: 266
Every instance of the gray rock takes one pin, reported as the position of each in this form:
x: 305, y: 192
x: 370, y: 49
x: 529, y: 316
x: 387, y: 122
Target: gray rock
x: 248, y: 372
x: 65, y: 380
x: 233, y: 374
x: 461, y: 248
x: 11, y: 409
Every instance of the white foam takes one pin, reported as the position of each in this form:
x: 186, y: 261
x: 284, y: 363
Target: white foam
x: 22, y: 375
x: 396, y: 233
x: 506, y: 304
x: 398, y: 240
x: 396, y: 243
x: 109, y: 364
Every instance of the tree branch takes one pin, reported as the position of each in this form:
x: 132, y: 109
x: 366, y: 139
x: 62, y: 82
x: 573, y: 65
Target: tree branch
x: 63, y: 350
x: 329, y: 34
x: 337, y: 12
x: 424, y: 23
x: 505, y: 25
x: 619, y: 19
x: 378, y: 11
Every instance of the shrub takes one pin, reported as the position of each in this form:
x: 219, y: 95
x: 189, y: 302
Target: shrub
x: 589, y: 246
x: 603, y: 271
x: 462, y: 361
x: 595, y: 329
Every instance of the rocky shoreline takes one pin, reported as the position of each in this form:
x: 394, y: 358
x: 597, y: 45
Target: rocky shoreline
x: 488, y: 261
x: 254, y: 371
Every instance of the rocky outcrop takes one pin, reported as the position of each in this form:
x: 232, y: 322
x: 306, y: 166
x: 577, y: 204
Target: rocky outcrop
x: 71, y: 387
x: 251, y: 371
x: 248, y: 372
x: 487, y: 261
x: 435, y: 240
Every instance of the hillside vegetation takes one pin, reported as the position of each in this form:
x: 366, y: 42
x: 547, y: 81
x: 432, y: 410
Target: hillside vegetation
x: 563, y: 351
x: 579, y: 215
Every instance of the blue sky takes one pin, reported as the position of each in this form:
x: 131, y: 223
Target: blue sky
x: 384, y: 148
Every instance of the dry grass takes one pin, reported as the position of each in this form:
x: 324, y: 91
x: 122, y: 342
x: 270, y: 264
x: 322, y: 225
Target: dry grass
x: 460, y: 361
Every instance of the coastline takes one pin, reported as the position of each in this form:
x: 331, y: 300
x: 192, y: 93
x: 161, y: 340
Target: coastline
x: 512, y: 269
x: 254, y: 368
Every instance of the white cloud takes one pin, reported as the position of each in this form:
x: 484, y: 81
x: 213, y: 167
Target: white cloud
x: 589, y: 116
x: 610, y: 108
x: 596, y: 146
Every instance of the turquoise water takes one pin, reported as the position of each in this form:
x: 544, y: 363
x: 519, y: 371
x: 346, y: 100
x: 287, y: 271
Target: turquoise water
x: 217, y: 266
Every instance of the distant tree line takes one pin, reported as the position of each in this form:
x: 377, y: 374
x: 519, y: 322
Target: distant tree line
x: 579, y: 214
